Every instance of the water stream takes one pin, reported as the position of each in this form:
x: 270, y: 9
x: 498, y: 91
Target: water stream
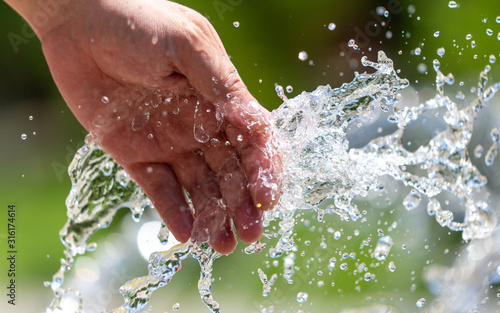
x: 319, y: 165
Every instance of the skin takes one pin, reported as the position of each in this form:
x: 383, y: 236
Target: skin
x: 153, y: 83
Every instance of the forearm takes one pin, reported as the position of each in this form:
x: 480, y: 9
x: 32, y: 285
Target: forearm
x: 44, y: 15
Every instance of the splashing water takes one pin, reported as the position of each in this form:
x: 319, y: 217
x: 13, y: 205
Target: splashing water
x: 162, y: 267
x: 318, y: 165
x: 92, y: 206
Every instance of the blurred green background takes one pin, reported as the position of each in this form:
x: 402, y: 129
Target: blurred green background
x: 264, y: 48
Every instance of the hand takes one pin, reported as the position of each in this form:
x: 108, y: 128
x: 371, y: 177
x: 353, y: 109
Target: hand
x: 153, y: 81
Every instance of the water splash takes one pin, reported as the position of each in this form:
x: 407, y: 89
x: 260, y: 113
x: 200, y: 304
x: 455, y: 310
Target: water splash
x: 318, y: 165
x: 206, y: 257
x: 162, y: 267
x: 99, y: 189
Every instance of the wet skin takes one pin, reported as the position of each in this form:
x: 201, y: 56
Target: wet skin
x: 153, y: 82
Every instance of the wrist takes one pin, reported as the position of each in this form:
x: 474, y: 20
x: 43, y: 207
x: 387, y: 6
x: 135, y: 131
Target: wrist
x: 44, y: 15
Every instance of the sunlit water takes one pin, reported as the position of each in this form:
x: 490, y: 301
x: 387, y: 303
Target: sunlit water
x: 318, y: 165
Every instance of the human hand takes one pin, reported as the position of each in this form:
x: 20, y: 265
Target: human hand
x: 153, y: 81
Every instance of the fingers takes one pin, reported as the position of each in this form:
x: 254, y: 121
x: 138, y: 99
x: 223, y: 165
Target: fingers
x: 212, y: 221
x: 233, y: 187
x: 248, y: 175
x: 197, y: 178
x: 215, y: 223
x: 216, y: 79
x: 161, y: 186
x: 201, y: 57
x: 261, y: 162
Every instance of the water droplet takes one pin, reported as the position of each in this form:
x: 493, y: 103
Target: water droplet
x: 228, y: 177
x: 444, y: 217
x: 498, y: 36
x: 490, y: 156
x: 337, y: 235
x: 289, y: 89
x: 302, y: 297
x: 478, y: 151
x: 473, y: 44
x: 239, y: 138
x: 31, y: 117
x: 436, y: 34
x: 468, y: 37
x: 122, y: 178
x: 236, y: 24
x: 332, y: 26
x: 105, y: 100
x: 380, y: 10
x: 331, y: 263
x: 176, y: 111
x: 489, y: 32
x: 24, y: 136
x: 422, y: 68
x: 418, y: 51
x: 280, y: 92
x: 440, y: 51
x: 139, y: 122
x: 303, y: 55
x: 493, y: 59
x: 494, y: 135
x: 383, y: 248
x: 412, y: 200
x: 388, y: 34
x: 176, y: 306
x: 411, y: 9
x: 150, y: 136
x: 391, y: 266
x: 154, y: 39
x: 214, y: 142
x: 91, y: 246
x: 498, y: 19
x: 107, y: 168
x: 436, y: 64
x: 420, y: 302
x: 368, y: 276
x: 452, y: 4
x: 199, y: 132
x: 352, y: 44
